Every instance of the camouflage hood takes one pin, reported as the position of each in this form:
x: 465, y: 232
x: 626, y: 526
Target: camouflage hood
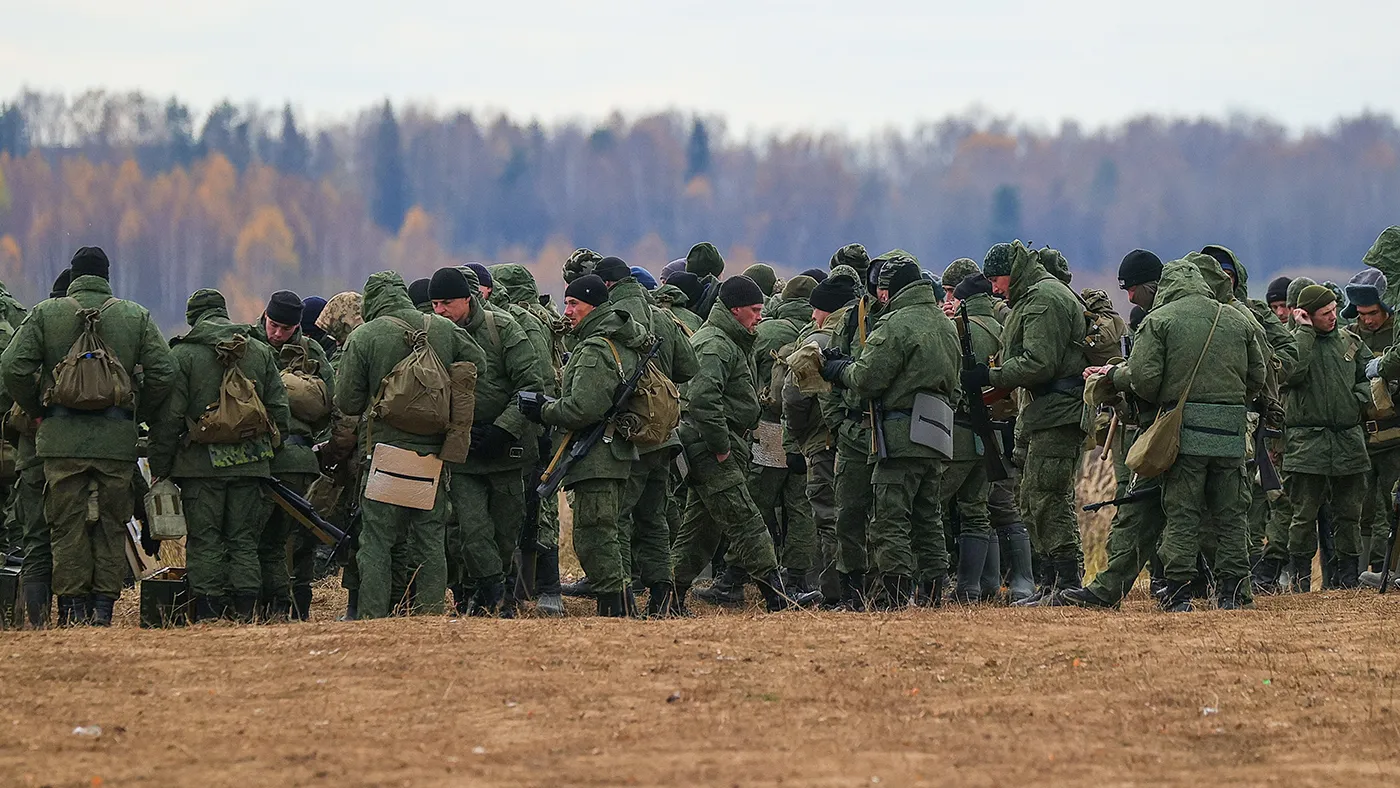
x: 1241, y: 273
x: 385, y: 292
x: 1384, y: 255
x: 1026, y: 272
x: 1212, y: 275
x: 1182, y: 278
x: 343, y: 313
x: 670, y: 295
x: 517, y: 281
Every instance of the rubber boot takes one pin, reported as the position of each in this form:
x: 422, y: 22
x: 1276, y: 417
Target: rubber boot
x: 612, y: 605
x: 898, y: 591
x: 549, y: 600
x: 301, y: 603
x: 1177, y: 598
x: 679, y: 609
x: 972, y: 561
x: 243, y: 605
x: 579, y: 588
x: 487, y: 599
x: 102, y: 609
x: 1302, y: 574
x: 930, y: 592
x: 727, y: 589
x: 38, y: 599
x: 1045, y: 588
x: 776, y: 596
x: 629, y: 603
x: 1021, y: 583
x: 208, y: 608
x: 461, y: 598
x: 352, y: 605
x: 991, y: 571
x: 72, y: 611
x: 853, y: 592
x: 660, y: 597
x: 1348, y: 571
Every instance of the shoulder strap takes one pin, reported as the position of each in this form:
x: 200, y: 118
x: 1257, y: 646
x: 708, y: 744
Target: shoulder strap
x: 491, y: 326
x: 861, y: 310
x: 981, y: 321
x: 685, y: 329
x: 621, y: 373
x: 1186, y: 392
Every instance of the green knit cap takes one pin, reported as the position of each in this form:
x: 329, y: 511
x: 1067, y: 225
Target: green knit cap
x: 997, y: 262
x: 764, y: 276
x: 1296, y: 287
x: 704, y: 260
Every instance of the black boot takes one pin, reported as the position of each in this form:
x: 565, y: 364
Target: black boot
x: 37, y: 601
x: 898, y: 591
x: 777, y: 597
x: 243, y: 607
x: 991, y: 571
x: 462, y: 598
x: 1079, y: 597
x: 487, y: 599
x: 208, y: 608
x: 549, y: 600
x: 301, y: 603
x: 930, y: 592
x: 1265, y: 576
x: 660, y: 597
x: 579, y: 588
x: 727, y: 589
x: 1045, y: 588
x: 611, y: 604
x: 972, y: 561
x: 1348, y: 571
x: 72, y: 611
x: 102, y: 610
x: 1021, y: 582
x: 853, y: 592
x: 352, y: 605
x: 629, y: 603
x: 1302, y: 573
x: 679, y: 609
x: 1177, y: 598
x: 1067, y: 574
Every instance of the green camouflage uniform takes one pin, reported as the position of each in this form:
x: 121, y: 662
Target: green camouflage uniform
x: 87, y: 457
x: 396, y: 541
x: 804, y: 422
x: 1043, y: 353
x: 591, y: 378
x: 1383, y: 446
x: 226, y: 507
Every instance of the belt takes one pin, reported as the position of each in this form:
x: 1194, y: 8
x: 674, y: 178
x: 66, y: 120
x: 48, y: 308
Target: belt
x: 296, y: 440
x: 1373, y: 427
x: 1060, y: 386
x: 899, y: 414
x: 113, y: 413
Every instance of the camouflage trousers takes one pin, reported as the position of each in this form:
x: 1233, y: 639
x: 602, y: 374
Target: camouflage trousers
x: 906, y: 527
x: 711, y: 514
x: 1132, y: 540
x: 1308, y: 492
x: 597, y: 535
x: 226, y: 518
x: 87, y: 504
x: 1047, y: 491
x: 1279, y: 519
x: 855, y: 496
x: 1205, y: 501
x: 644, y: 534
x: 27, y: 507
x: 285, y: 546
x: 484, y: 527
x: 965, y: 483
x: 1375, y: 513
x: 402, y: 546
x: 821, y: 494
x: 781, y: 498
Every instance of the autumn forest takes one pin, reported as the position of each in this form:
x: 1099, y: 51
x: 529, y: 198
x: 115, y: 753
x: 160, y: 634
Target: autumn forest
x: 250, y: 200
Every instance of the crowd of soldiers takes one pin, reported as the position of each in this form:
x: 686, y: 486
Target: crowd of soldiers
x: 866, y: 435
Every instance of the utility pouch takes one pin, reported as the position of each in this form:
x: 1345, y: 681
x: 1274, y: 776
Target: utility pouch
x: 403, y: 478
x: 931, y: 424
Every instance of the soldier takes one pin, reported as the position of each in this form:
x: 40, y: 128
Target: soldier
x: 282, y: 327
x: 909, y: 368
x: 1277, y: 298
x: 220, y: 479
x: 704, y: 261
x: 720, y: 409
x: 764, y: 276
x: 1042, y: 352
x: 645, y: 537
x: 87, y: 435
x: 1203, y: 492
x: 418, y: 292
x: 806, y: 424
x: 27, y: 502
x: 1325, y: 443
x: 608, y: 347
x: 1375, y: 325
x: 680, y: 295
x: 487, y: 491
x: 311, y: 309
x: 369, y: 356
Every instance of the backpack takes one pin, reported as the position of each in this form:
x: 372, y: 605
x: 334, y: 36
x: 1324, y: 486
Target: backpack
x: 90, y: 377
x: 654, y: 409
x: 416, y: 395
x: 307, y: 395
x: 1103, y: 328
x: 238, y: 415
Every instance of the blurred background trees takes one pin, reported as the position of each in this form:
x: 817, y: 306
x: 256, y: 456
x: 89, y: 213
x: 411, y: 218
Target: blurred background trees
x: 252, y: 199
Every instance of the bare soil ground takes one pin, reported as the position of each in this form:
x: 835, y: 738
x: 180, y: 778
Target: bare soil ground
x: 1299, y: 692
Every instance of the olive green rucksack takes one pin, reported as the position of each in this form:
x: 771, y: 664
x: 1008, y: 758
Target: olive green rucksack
x: 1104, y: 328
x: 416, y: 395
x: 238, y: 415
x: 307, y: 395
x: 653, y: 410
x: 90, y: 377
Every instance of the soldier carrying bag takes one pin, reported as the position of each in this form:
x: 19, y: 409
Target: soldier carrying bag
x: 238, y: 415
x: 307, y: 395
x: 1156, y: 448
x: 416, y: 395
x: 90, y: 377
x: 654, y: 409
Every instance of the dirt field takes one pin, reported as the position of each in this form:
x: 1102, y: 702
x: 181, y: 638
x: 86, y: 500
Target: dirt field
x: 1302, y: 691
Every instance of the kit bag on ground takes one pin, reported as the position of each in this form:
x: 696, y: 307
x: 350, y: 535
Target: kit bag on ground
x: 238, y: 415
x: 90, y: 376
x: 416, y: 395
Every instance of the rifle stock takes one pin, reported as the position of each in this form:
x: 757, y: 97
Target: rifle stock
x: 1140, y: 494
x: 304, y: 513
x: 1268, y: 474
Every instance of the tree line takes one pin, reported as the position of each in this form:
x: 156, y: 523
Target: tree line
x: 252, y: 199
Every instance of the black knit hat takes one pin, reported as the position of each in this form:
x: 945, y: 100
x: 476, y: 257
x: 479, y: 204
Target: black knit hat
x: 971, y: 285
x: 449, y: 283
x: 91, y: 261
x: 612, y: 269
x: 740, y: 291
x: 284, y: 307
x: 418, y: 292
x: 1139, y: 267
x: 818, y: 274
x: 590, y: 289
x: 689, y: 284
x: 60, y: 285
x: 483, y: 274
x: 1135, y: 317
x: 1278, y: 289
x: 833, y: 293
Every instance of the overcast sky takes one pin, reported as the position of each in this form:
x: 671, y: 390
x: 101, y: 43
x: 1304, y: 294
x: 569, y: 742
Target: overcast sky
x: 852, y: 66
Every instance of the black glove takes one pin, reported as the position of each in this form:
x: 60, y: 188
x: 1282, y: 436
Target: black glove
x: 977, y: 378
x: 489, y: 441
x: 835, y: 361
x: 797, y: 463
x: 531, y: 404
x: 149, y: 546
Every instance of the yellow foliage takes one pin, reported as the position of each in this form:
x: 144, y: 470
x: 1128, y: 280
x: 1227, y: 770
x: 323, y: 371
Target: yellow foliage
x: 11, y: 261
x: 416, y: 253
x: 650, y: 253
x: 263, y: 257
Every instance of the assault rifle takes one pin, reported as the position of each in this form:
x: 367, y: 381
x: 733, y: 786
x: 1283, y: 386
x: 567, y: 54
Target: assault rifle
x: 979, y: 416
x: 528, y: 541
x: 1140, y: 494
x: 303, y: 512
x: 1268, y: 474
x: 576, y: 448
